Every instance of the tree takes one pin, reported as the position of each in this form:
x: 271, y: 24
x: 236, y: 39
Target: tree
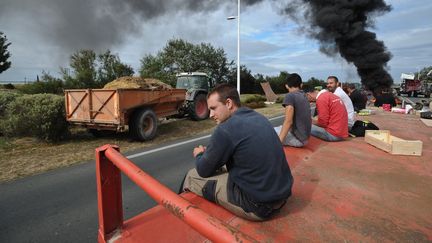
x: 424, y: 74
x: 84, y: 66
x: 154, y: 67
x: 248, y: 83
x: 278, y: 82
x: 312, y: 83
x: 181, y: 56
x: 4, y: 53
x: 94, y: 71
x: 110, y: 68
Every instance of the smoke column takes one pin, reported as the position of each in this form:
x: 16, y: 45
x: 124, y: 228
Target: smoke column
x: 98, y: 24
x: 340, y: 26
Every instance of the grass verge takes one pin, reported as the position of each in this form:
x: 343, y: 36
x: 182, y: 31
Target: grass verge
x: 22, y: 157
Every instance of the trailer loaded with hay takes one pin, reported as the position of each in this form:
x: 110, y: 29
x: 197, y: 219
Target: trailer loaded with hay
x: 127, y: 103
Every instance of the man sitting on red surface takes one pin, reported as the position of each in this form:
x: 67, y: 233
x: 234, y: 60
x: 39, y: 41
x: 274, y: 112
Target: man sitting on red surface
x: 332, y: 123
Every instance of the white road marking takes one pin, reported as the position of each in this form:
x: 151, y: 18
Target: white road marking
x: 178, y: 144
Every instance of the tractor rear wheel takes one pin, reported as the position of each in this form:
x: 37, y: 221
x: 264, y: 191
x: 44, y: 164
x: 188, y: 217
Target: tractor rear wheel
x: 143, y: 125
x: 198, y: 109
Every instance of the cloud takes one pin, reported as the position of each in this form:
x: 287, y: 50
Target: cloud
x: 44, y: 33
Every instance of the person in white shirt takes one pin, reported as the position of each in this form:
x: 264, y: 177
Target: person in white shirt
x: 333, y: 86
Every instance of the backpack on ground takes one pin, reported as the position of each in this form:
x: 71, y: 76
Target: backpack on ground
x: 426, y: 115
x: 359, y: 128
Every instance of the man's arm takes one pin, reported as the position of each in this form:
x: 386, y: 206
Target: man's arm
x: 219, y: 151
x: 286, y: 126
x: 323, y: 113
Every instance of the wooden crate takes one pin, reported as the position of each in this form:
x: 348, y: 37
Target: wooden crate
x: 391, y: 144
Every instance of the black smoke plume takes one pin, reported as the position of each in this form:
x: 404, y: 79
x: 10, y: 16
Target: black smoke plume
x: 99, y: 24
x: 341, y: 26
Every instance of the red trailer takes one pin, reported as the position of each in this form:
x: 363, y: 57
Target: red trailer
x: 136, y: 110
x: 412, y: 87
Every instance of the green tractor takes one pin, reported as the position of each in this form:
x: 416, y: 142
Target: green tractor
x: 197, y: 85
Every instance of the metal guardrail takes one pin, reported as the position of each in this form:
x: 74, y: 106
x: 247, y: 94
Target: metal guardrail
x: 109, y: 164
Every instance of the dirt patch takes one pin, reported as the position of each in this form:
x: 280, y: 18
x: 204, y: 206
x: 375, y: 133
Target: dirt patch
x: 128, y: 82
x: 27, y: 156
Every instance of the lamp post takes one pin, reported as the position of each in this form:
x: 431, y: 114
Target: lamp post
x: 238, y: 43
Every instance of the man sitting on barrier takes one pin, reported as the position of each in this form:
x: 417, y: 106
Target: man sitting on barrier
x: 333, y: 86
x: 296, y: 128
x: 332, y: 122
x: 243, y: 168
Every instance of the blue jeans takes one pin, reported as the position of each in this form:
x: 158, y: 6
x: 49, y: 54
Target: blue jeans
x: 290, y: 139
x: 320, y: 132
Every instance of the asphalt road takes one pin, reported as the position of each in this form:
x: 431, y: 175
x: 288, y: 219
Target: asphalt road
x: 61, y: 205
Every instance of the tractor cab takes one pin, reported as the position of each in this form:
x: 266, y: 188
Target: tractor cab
x: 193, y: 81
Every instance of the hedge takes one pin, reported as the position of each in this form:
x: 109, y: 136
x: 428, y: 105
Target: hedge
x: 6, y: 97
x: 38, y: 115
x: 253, y: 100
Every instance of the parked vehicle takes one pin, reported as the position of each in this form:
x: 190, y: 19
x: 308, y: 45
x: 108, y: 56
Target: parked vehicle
x: 197, y: 85
x: 413, y: 87
x: 136, y: 110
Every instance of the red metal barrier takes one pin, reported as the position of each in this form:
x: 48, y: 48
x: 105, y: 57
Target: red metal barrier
x: 109, y: 163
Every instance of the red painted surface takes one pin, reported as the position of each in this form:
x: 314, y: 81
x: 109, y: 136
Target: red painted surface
x: 108, y: 163
x: 344, y: 191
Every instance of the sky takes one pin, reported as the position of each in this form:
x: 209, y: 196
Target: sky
x: 45, y: 33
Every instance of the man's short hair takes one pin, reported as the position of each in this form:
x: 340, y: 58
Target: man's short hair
x: 294, y: 80
x: 333, y: 77
x: 226, y: 91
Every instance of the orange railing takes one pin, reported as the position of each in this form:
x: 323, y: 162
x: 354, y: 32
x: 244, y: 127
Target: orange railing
x: 109, y: 163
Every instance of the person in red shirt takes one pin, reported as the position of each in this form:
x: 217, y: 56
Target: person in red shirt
x: 332, y: 123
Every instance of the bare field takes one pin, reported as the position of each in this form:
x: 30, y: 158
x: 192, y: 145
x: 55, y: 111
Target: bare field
x: 27, y: 156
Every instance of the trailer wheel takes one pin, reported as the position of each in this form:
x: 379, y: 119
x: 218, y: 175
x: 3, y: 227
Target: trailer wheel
x: 144, y: 125
x: 198, y: 109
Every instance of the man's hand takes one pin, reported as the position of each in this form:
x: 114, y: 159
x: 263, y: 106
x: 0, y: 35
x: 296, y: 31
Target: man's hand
x: 198, y: 150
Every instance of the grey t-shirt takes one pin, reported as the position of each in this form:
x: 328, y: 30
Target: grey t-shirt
x: 302, y: 121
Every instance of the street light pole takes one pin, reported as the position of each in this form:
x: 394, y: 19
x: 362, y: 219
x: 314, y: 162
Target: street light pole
x: 238, y: 43
x: 238, y: 46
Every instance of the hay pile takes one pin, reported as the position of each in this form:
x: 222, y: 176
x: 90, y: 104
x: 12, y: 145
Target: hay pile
x: 128, y: 82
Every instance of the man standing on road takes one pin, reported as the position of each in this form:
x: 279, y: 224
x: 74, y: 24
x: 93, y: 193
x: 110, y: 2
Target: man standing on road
x: 243, y: 168
x: 333, y: 86
x: 295, y: 130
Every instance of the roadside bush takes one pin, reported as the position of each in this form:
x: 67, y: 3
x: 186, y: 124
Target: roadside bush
x: 8, y: 86
x: 39, y: 115
x: 6, y: 97
x: 253, y: 100
x: 42, y: 87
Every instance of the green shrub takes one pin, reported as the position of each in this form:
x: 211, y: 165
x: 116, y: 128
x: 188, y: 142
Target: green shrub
x: 40, y: 115
x: 249, y: 98
x: 8, y: 86
x: 42, y: 87
x: 6, y: 98
x: 253, y: 100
